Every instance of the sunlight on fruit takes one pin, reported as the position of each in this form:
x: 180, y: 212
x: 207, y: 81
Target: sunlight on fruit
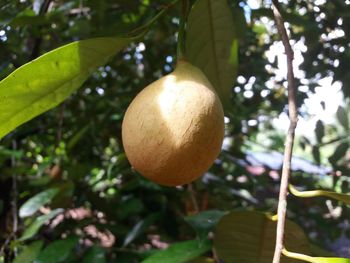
x: 173, y: 130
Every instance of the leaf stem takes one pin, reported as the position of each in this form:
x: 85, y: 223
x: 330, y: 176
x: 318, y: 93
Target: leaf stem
x: 303, y: 257
x: 293, y: 116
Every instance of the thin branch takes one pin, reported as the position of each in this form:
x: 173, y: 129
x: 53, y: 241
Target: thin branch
x: 293, y: 116
x: 60, y: 125
x: 38, y: 40
x: 192, y: 193
x: 14, y: 194
x: 12, y: 218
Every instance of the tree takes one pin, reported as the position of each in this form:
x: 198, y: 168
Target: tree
x: 67, y: 191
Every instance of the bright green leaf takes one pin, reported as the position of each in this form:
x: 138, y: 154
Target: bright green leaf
x: 305, y: 194
x: 212, y: 45
x: 249, y: 237
x: 57, y: 251
x: 29, y: 253
x: 32, y: 229
x: 48, y: 80
x: 331, y: 260
x: 180, y: 252
x: 33, y: 204
x: 307, y: 258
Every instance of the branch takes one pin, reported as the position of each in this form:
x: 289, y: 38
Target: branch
x: 38, y: 40
x: 14, y: 195
x: 293, y: 116
x: 6, y: 250
x: 192, y: 193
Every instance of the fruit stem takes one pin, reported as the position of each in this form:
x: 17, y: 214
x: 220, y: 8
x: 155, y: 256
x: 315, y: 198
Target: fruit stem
x: 181, y: 34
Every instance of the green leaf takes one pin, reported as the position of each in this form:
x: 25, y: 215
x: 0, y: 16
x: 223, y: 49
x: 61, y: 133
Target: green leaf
x: 57, y: 251
x: 139, y: 228
x: 201, y: 260
x: 29, y: 253
x: 76, y: 137
x: 315, y: 193
x: 31, y: 206
x: 180, y: 252
x: 95, y: 255
x: 343, y: 118
x: 28, y: 17
x: 339, y: 153
x: 249, y: 237
x: 315, y: 250
x: 17, y: 154
x: 204, y: 221
x: 306, y: 258
x: 48, y: 80
x: 240, y: 21
x: 319, y: 131
x: 316, y: 154
x: 32, y: 229
x: 212, y: 44
x: 330, y: 260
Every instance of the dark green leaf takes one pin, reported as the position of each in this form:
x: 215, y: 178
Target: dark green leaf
x: 316, y: 154
x: 204, y: 221
x: 201, y: 260
x: 180, y: 252
x: 240, y: 22
x: 95, y: 255
x: 139, y: 228
x: 342, y: 117
x: 17, y: 154
x: 29, y: 253
x: 339, y: 153
x: 249, y: 237
x: 32, y: 229
x: 212, y: 45
x: 33, y: 204
x: 261, y: 12
x: 57, y: 251
x: 319, y: 131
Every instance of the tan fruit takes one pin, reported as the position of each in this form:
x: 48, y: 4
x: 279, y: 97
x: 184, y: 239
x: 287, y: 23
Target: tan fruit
x: 173, y: 130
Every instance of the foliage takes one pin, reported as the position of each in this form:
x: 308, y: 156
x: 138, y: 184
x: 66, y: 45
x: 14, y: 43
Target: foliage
x: 68, y: 173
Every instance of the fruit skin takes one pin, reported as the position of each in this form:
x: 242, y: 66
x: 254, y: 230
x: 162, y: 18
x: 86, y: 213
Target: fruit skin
x: 173, y: 130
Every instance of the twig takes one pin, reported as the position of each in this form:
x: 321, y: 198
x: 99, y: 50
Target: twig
x: 38, y: 40
x: 193, y: 197
x: 14, y: 195
x: 60, y: 125
x: 293, y: 116
x: 5, y: 249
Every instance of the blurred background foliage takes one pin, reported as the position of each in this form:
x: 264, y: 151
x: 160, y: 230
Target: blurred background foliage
x: 72, y: 160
